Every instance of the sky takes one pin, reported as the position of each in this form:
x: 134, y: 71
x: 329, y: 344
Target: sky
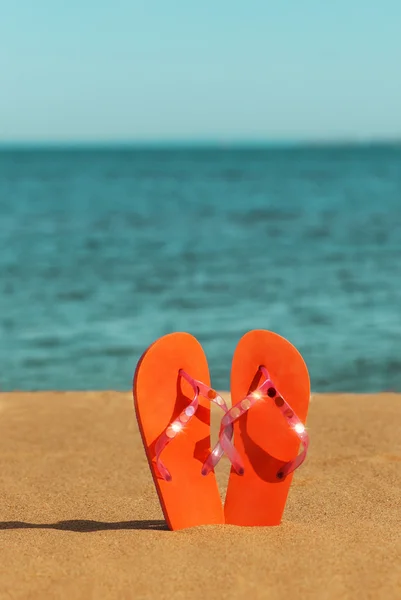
x: 212, y: 70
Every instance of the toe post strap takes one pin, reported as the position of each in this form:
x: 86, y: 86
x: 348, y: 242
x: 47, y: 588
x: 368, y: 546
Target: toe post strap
x: 224, y: 445
x: 267, y: 391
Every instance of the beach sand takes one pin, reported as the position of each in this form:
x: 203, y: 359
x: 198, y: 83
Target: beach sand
x: 79, y: 517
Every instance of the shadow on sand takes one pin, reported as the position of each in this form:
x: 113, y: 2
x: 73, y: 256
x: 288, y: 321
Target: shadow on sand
x: 85, y: 526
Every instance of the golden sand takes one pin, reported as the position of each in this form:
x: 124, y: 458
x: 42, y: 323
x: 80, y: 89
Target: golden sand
x: 80, y: 519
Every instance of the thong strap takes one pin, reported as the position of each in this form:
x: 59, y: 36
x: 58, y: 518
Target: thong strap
x: 267, y: 391
x: 223, y: 445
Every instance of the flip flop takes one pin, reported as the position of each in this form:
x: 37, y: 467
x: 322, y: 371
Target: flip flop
x: 270, y: 393
x: 172, y: 396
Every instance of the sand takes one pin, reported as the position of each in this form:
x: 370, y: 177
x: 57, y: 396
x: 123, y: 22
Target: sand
x: 79, y: 517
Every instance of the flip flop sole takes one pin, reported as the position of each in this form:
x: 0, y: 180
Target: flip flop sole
x: 261, y: 435
x: 160, y: 395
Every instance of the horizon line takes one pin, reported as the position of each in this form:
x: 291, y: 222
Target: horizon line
x: 213, y: 143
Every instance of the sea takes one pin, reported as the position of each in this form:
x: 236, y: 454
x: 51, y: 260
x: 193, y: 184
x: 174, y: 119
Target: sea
x: 104, y: 249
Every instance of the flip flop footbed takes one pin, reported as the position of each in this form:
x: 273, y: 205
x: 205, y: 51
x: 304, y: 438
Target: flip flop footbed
x: 262, y: 435
x: 160, y: 395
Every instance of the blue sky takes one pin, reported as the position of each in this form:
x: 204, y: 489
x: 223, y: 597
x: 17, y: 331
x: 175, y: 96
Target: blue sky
x: 211, y: 70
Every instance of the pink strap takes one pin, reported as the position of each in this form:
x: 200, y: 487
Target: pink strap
x: 267, y: 390
x: 223, y: 445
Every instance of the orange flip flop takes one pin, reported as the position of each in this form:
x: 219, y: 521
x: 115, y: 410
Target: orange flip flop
x: 270, y: 393
x: 172, y: 397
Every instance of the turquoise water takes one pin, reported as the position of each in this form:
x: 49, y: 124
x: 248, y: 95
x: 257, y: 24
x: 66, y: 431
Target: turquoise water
x: 102, y: 251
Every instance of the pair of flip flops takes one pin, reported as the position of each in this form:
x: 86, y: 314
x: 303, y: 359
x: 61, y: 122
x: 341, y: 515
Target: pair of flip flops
x: 260, y: 434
